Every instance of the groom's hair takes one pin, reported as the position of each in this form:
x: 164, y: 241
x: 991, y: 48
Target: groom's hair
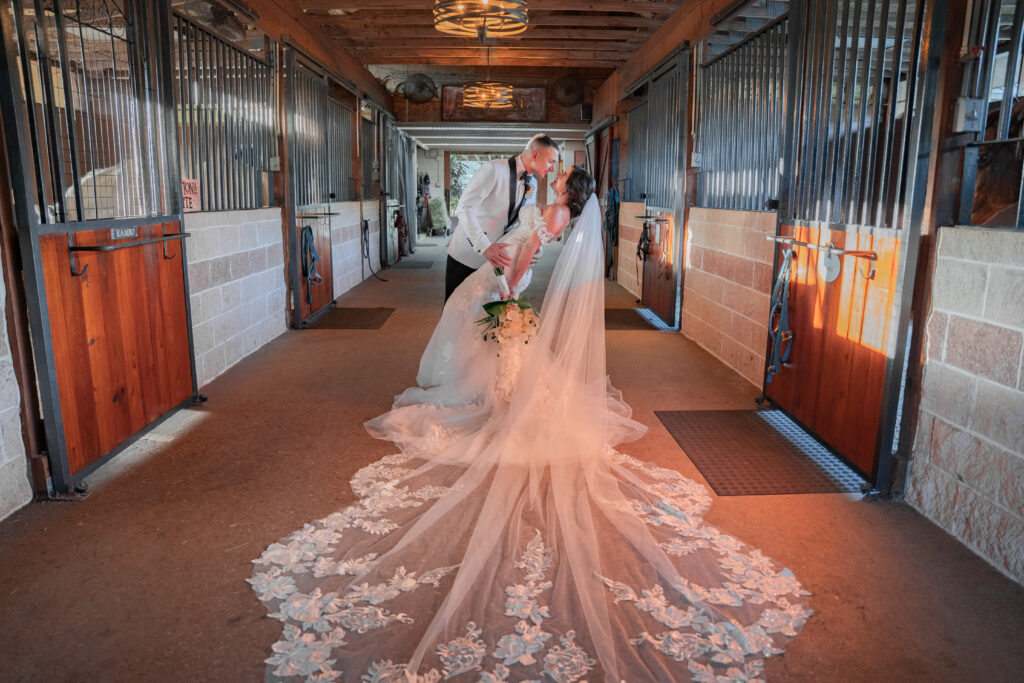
x: 538, y: 141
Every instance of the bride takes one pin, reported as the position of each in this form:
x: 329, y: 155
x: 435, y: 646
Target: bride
x: 509, y: 540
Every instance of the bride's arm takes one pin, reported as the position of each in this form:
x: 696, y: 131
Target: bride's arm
x: 556, y: 217
x: 522, y: 261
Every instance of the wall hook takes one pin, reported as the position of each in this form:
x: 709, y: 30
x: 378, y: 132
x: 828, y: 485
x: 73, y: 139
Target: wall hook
x: 71, y: 255
x: 870, y: 274
x: 164, y: 248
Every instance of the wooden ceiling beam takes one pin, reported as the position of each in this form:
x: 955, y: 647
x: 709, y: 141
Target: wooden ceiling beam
x: 357, y: 46
x: 520, y: 62
x: 412, y: 54
x: 390, y: 34
x: 536, y: 75
x: 372, y: 18
x: 278, y: 18
x: 628, y: 6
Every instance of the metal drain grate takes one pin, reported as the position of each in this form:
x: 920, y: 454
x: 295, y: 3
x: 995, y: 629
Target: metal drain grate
x: 352, y: 319
x: 757, y: 452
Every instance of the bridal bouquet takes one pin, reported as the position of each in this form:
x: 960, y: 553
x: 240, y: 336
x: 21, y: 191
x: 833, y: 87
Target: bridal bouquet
x: 509, y: 321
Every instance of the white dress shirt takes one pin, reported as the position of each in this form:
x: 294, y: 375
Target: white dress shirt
x: 482, y: 214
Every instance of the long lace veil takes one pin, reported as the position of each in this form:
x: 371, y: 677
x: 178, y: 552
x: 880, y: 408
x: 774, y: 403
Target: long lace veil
x: 565, y: 374
x: 510, y: 541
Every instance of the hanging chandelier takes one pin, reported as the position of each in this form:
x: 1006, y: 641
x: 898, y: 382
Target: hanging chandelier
x: 487, y: 95
x: 481, y: 18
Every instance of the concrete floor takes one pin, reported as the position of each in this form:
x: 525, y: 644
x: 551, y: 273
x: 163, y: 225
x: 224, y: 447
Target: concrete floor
x: 145, y: 579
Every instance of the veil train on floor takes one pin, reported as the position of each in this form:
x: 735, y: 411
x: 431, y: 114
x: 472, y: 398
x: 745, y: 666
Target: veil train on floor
x: 509, y: 540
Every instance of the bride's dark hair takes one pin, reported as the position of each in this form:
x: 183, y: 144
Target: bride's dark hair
x: 578, y: 188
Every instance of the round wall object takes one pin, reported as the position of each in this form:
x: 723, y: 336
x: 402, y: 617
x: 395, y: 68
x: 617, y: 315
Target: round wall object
x: 829, y: 265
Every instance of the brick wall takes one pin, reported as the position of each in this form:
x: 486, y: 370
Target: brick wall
x: 15, y: 486
x: 236, y: 283
x: 629, y: 234
x: 967, y: 471
x: 727, y: 286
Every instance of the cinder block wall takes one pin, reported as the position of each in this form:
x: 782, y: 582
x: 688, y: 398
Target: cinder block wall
x: 727, y: 286
x: 967, y: 471
x: 236, y: 283
x: 629, y: 234
x: 349, y: 266
x: 15, y: 487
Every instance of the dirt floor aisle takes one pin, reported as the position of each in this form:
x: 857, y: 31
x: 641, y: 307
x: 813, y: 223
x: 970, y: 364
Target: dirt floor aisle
x: 145, y: 579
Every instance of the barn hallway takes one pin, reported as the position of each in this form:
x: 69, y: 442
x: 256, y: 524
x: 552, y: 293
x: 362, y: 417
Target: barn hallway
x: 145, y: 579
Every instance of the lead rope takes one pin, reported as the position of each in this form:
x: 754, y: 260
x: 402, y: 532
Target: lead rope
x: 309, y: 259
x: 779, y: 319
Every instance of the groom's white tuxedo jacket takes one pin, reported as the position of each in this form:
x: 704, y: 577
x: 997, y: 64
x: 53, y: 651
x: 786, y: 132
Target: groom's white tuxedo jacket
x: 482, y: 214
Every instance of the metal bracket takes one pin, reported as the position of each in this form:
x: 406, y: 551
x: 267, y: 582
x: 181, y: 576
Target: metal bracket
x: 870, y: 274
x: 869, y: 255
x: 123, y: 245
x: 71, y: 254
x: 163, y: 248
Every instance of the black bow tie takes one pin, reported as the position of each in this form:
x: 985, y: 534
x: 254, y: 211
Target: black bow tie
x: 524, y: 178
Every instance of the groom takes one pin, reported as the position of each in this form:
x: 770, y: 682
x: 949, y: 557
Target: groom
x: 489, y: 207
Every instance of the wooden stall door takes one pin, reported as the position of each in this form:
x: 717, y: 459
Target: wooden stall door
x: 842, y: 339
x: 316, y: 295
x: 661, y: 269
x: 859, y: 185
x: 120, y: 337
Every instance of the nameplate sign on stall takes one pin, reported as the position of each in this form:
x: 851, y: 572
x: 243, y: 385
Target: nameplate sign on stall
x: 190, y: 194
x: 123, y: 233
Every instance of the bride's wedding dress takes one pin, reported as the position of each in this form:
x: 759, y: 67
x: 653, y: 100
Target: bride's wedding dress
x: 509, y: 540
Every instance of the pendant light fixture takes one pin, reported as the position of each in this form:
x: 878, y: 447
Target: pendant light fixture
x: 481, y: 18
x: 487, y: 94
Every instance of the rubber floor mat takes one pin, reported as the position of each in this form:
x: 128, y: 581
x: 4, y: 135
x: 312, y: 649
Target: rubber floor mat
x: 625, y: 319
x: 757, y: 452
x: 413, y: 264
x: 352, y: 319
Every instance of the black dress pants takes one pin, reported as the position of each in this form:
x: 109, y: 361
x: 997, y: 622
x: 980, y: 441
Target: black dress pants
x: 454, y: 273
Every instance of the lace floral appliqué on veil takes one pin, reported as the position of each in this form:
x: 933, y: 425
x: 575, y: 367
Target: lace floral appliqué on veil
x: 510, y: 540
x: 526, y: 638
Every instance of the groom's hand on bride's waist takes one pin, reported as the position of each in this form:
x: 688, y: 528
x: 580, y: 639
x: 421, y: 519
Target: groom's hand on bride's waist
x: 497, y: 255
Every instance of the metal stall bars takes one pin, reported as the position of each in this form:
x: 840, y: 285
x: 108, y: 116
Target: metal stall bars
x: 861, y: 90
x: 87, y: 99
x: 657, y: 176
x: 391, y: 191
x: 226, y: 108
x: 398, y: 185
x: 368, y: 154
x: 741, y: 107
x: 636, y: 154
x: 339, y: 142
x: 408, y: 180
x: 990, y: 111
x: 319, y: 133
x: 401, y: 191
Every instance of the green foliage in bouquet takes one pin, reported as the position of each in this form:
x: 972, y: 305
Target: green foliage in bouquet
x: 500, y: 327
